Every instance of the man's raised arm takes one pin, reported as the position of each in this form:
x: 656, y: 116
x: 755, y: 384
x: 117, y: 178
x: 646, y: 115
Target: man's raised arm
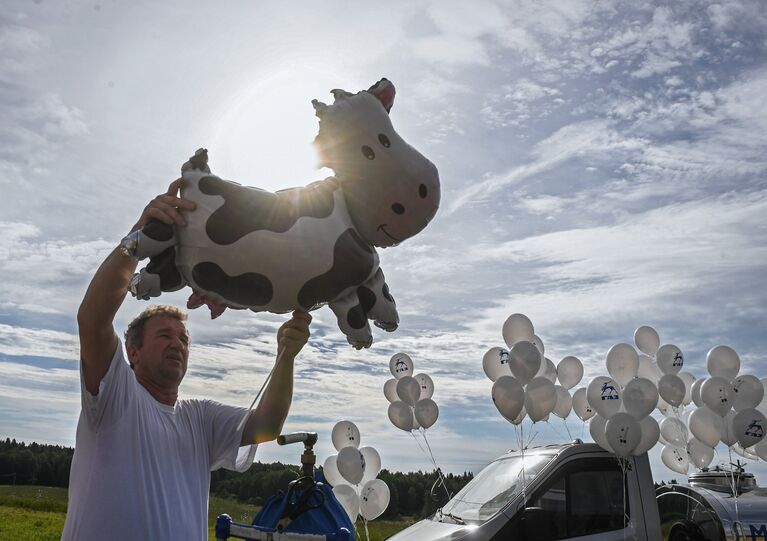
x: 108, y: 288
x: 265, y: 422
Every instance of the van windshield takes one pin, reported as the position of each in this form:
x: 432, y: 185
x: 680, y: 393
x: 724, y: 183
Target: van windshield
x: 495, y: 486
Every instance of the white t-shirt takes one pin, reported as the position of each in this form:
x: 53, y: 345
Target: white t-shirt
x: 141, y: 469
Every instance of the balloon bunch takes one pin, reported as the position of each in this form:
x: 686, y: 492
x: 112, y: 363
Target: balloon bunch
x: 525, y: 381
x: 730, y: 408
x: 411, y: 406
x: 352, y: 473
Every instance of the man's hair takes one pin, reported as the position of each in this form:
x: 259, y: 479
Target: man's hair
x: 134, y: 334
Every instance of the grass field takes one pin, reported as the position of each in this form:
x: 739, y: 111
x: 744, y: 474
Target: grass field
x: 36, y: 513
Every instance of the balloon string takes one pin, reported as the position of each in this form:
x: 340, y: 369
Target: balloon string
x: 367, y: 534
x: 522, y: 450
x: 434, y: 461
x: 624, y: 466
x: 431, y: 458
x: 268, y: 377
x: 733, y: 485
x: 570, y: 436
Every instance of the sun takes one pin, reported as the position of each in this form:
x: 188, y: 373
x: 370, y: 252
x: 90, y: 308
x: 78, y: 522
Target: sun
x: 264, y: 139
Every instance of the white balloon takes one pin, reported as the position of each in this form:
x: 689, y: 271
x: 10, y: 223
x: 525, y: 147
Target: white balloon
x: 348, y: 499
x: 664, y: 407
x: 374, y: 499
x: 673, y: 432
x: 426, y: 412
x: 640, y: 397
x: 538, y: 343
x: 717, y: 394
x: 564, y: 404
x: 351, y: 464
x: 401, y: 365
x: 745, y: 453
x: 390, y: 390
x: 408, y: 390
x: 330, y: 471
x: 688, y: 380
x: 508, y: 396
x: 723, y: 362
x: 547, y: 370
x: 570, y: 372
x: 650, y: 434
x: 671, y: 389
x: 648, y: 369
x: 519, y: 418
x: 670, y: 359
x: 524, y: 361
x: 604, y: 396
x: 695, y: 392
x: 345, y: 434
x: 729, y: 435
x: 517, y: 328
x: 761, y: 449
x: 749, y: 392
x: 646, y: 339
x: 416, y: 424
x: 623, y: 433
x: 597, y: 431
x: 622, y: 363
x: 749, y: 426
x: 372, y: 463
x: 581, y: 405
x: 675, y: 459
x: 699, y: 453
x: 427, y: 385
x: 540, y: 398
x: 401, y: 415
x: 706, y: 426
x: 495, y: 363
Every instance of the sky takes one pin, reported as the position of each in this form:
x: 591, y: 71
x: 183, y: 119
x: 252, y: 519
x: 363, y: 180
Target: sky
x: 602, y: 167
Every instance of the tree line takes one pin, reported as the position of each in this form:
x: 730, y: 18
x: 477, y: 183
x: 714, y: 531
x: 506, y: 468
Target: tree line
x: 413, y: 494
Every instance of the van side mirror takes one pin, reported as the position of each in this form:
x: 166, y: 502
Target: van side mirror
x: 536, y: 524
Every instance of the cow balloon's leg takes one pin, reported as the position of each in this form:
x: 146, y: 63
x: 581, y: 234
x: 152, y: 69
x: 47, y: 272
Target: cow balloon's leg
x: 352, y: 320
x: 152, y: 239
x: 161, y: 274
x: 377, y: 303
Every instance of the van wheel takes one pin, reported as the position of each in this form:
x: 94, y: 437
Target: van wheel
x: 685, y: 532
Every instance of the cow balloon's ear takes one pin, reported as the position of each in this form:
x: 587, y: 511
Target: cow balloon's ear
x: 319, y: 108
x: 384, y: 91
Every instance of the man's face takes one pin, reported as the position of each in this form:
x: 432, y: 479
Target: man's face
x: 163, y: 356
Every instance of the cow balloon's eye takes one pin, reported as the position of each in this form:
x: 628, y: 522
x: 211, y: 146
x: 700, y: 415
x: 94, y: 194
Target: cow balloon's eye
x: 368, y: 153
x: 398, y: 208
x: 422, y: 191
x: 384, y: 140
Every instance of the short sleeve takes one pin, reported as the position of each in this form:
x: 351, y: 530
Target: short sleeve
x: 115, y: 392
x: 224, y: 439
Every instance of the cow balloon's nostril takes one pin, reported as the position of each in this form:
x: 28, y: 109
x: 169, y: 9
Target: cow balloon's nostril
x: 422, y: 191
x: 398, y: 209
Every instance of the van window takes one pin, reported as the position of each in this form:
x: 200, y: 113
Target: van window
x: 585, y: 497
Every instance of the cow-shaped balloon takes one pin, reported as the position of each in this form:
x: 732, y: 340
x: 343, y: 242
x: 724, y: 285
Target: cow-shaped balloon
x: 304, y: 247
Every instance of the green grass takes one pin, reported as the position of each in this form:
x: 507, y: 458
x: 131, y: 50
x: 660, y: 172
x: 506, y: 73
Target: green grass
x: 35, y: 513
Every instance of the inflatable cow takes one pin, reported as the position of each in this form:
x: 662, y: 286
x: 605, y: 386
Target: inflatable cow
x: 301, y: 247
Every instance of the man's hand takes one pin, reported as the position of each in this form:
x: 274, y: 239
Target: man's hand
x: 165, y: 207
x: 293, y: 334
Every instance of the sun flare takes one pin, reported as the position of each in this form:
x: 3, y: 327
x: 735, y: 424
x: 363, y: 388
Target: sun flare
x: 264, y: 139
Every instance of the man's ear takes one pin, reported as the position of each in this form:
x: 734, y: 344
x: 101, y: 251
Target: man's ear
x: 132, y: 352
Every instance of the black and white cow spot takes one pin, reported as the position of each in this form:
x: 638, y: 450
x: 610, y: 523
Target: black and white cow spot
x: 246, y: 210
x: 248, y: 289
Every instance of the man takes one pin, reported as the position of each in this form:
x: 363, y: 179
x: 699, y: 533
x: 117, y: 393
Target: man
x: 142, y: 462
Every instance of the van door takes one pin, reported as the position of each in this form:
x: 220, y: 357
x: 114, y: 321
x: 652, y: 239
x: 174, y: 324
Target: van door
x: 586, y: 499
